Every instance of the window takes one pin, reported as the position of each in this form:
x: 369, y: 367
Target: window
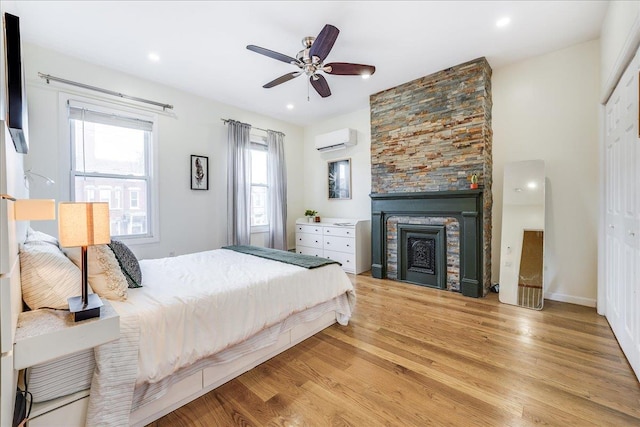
x: 134, y: 198
x: 117, y: 199
x: 111, y: 151
x: 105, y: 195
x: 259, y: 201
x: 89, y: 194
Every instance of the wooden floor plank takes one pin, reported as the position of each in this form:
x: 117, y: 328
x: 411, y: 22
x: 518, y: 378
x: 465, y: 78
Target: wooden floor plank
x: 415, y: 356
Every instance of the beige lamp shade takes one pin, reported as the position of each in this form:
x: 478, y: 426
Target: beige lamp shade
x: 34, y: 209
x: 83, y: 224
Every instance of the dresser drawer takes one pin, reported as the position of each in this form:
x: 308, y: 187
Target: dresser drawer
x: 340, y: 231
x: 348, y: 261
x: 304, y: 250
x: 339, y: 244
x: 311, y: 240
x: 311, y: 229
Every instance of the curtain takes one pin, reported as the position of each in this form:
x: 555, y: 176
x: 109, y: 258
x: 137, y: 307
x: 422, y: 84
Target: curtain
x: 238, y: 183
x: 277, y: 184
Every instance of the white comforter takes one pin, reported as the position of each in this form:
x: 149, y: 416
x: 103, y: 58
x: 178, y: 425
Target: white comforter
x: 196, y: 305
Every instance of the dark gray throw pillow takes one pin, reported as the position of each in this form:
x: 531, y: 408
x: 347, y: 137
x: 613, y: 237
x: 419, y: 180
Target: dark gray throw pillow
x: 128, y: 263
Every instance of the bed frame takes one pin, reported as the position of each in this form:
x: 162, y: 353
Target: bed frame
x: 11, y: 233
x: 71, y: 410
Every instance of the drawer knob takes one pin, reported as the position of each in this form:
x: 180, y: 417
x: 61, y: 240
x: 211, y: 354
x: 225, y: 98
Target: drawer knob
x: 347, y: 245
x: 316, y: 241
x: 328, y: 243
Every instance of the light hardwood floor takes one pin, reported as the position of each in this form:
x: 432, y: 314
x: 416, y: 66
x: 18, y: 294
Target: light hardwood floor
x: 414, y: 356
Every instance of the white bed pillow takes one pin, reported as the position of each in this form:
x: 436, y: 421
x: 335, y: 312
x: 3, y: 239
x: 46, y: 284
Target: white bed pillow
x: 104, y: 275
x: 48, y: 277
x: 39, y: 236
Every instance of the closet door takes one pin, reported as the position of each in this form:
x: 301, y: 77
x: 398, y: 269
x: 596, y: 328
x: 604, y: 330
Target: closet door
x: 622, y: 207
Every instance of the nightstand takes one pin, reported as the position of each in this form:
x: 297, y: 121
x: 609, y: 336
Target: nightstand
x: 44, y: 335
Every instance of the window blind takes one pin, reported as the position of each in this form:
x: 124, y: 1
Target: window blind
x: 82, y: 112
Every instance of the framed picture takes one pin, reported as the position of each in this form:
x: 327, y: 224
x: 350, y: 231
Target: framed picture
x: 199, y: 172
x: 339, y: 179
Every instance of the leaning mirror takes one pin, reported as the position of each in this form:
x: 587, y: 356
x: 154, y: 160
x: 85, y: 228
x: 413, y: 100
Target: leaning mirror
x: 522, y: 246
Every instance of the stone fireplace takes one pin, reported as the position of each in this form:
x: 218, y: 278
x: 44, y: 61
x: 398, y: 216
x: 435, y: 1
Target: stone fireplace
x: 428, y: 137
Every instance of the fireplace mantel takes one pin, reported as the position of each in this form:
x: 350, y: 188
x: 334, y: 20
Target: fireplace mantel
x: 464, y: 205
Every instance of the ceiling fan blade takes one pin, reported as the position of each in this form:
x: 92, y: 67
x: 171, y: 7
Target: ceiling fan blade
x: 324, y: 42
x: 271, y: 54
x: 282, y: 79
x: 348, y: 69
x: 320, y: 84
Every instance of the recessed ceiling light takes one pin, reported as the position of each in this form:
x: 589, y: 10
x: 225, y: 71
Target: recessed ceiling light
x: 154, y: 57
x: 366, y: 76
x: 532, y: 185
x: 503, y: 22
x: 290, y: 106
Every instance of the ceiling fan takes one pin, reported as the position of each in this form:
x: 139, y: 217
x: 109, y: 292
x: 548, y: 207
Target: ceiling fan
x: 310, y: 61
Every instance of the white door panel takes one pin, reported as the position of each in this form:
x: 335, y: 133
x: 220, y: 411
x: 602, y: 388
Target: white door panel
x: 622, y: 214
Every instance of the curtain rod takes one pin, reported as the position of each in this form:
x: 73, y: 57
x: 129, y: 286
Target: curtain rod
x: 253, y: 127
x: 49, y: 77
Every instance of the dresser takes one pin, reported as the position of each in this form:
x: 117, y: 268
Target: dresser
x: 345, y: 240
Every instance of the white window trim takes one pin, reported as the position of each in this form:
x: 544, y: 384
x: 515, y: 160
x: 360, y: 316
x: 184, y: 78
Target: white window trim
x: 65, y: 160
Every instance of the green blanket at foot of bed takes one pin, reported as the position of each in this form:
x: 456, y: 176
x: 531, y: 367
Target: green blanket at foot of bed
x: 306, y: 261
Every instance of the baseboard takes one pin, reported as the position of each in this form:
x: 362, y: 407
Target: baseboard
x: 589, y: 302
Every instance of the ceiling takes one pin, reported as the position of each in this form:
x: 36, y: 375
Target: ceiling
x: 202, y: 44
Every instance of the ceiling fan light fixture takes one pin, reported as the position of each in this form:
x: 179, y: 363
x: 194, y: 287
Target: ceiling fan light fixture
x: 310, y: 61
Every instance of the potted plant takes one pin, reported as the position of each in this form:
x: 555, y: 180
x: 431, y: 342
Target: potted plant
x: 474, y: 181
x: 310, y: 214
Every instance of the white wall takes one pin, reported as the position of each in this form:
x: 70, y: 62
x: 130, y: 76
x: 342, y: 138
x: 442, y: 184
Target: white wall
x: 315, y: 168
x: 618, y: 41
x: 190, y: 220
x: 547, y: 108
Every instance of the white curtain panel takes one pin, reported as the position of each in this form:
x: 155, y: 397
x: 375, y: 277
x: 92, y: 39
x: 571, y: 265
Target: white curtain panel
x: 238, y: 183
x: 277, y: 184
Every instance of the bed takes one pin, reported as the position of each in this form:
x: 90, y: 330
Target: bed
x: 198, y: 321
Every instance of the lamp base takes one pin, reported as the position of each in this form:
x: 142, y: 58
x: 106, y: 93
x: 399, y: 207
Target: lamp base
x: 82, y: 312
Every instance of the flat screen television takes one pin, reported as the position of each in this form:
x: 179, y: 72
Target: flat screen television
x: 16, y: 94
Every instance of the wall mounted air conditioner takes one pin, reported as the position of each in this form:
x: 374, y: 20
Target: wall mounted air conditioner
x: 336, y: 140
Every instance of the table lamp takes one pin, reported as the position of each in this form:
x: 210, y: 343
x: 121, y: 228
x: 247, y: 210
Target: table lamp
x: 83, y: 225
x: 34, y: 209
